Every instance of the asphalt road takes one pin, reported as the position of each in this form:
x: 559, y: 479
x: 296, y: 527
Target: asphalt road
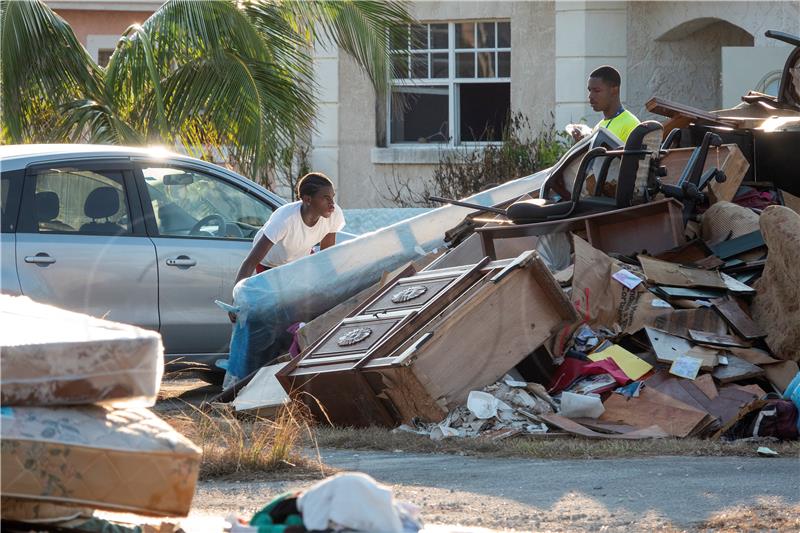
x: 556, y: 495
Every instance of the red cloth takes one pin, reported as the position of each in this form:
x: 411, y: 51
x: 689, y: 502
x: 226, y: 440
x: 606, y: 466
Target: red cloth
x: 573, y: 368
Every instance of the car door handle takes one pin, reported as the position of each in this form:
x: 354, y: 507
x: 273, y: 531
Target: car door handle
x: 181, y: 261
x: 40, y: 259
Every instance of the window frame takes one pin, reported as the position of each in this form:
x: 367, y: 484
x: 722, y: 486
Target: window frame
x: 150, y: 221
x: 451, y: 82
x: 27, y: 220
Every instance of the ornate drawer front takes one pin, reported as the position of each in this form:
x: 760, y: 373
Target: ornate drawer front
x: 408, y: 294
x: 350, y: 340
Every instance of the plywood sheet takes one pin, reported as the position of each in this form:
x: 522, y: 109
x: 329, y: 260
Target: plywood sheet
x: 736, y: 370
x: 648, y: 432
x: 737, y: 318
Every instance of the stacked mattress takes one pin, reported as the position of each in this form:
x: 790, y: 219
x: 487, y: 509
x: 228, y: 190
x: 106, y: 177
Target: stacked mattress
x: 75, y: 430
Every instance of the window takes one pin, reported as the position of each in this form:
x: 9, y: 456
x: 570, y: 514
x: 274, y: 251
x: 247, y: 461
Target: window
x: 192, y: 204
x: 103, y: 56
x: 451, y: 82
x: 69, y: 200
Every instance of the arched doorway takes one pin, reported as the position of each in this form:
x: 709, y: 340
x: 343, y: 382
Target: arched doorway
x: 684, y: 63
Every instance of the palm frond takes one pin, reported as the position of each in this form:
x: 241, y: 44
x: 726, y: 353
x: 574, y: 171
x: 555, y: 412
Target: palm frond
x: 43, y: 67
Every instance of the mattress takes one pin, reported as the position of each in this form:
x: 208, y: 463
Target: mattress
x: 120, y: 460
x: 57, y: 357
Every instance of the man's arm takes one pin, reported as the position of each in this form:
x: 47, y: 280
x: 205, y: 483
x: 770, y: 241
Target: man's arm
x: 327, y: 241
x: 257, y: 253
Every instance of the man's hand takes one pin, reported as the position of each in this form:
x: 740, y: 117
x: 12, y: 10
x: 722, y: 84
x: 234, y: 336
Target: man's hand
x: 232, y: 317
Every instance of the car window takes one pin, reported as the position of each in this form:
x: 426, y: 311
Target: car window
x: 80, y: 201
x: 10, y: 188
x: 188, y: 203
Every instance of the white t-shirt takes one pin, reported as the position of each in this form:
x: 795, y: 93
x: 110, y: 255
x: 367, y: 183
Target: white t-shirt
x: 291, y: 237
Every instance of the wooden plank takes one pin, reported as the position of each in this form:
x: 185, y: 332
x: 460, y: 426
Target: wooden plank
x: 667, y: 108
x: 685, y: 292
x: 736, y: 370
x: 737, y: 318
x: 680, y: 322
x: 666, y: 273
x: 690, y: 253
x: 706, y: 384
x: 735, y: 167
x: 754, y: 356
x: 648, y: 432
x: 716, y: 339
x: 709, y: 356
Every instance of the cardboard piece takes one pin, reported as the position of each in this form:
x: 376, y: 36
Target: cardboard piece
x: 716, y: 339
x: 737, y: 318
x: 603, y: 302
x: 118, y: 460
x: 648, y: 432
x: 55, y: 357
x: 680, y: 322
x: 736, y: 370
x: 652, y: 407
x: 633, y: 366
x: 665, y: 273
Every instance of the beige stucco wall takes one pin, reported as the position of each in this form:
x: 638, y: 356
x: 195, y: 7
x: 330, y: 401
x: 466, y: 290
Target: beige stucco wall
x: 363, y: 183
x: 674, y: 48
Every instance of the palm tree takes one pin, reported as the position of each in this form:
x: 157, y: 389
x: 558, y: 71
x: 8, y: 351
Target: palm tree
x: 216, y: 74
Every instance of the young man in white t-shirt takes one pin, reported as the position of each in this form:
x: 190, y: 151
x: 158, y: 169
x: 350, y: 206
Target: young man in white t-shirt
x: 294, y: 229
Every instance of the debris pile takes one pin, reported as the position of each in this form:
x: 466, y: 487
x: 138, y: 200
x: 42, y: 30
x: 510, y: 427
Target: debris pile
x: 76, y: 434
x: 650, y: 299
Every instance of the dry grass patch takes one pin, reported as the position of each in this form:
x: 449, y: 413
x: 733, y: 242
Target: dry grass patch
x: 234, y: 445
x: 542, y: 447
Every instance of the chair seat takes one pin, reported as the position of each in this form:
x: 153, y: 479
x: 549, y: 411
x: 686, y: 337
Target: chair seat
x: 528, y: 212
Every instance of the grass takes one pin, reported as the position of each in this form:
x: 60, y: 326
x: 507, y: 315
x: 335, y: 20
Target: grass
x: 232, y: 445
x: 541, y: 447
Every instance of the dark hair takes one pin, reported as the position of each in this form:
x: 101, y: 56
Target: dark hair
x: 311, y: 183
x: 608, y: 74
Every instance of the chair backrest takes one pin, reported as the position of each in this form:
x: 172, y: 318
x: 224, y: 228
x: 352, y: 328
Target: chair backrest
x: 635, y: 168
x: 103, y: 202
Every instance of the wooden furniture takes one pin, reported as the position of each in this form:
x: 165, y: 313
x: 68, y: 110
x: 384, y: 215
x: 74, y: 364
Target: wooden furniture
x: 655, y: 227
x: 423, y: 342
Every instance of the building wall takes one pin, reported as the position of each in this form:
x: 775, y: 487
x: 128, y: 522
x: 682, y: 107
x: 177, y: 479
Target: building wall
x: 675, y: 48
x: 368, y: 174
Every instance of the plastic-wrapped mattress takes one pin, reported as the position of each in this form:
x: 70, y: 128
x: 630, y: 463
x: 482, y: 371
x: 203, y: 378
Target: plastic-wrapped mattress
x: 57, y: 357
x: 125, y: 459
x: 300, y: 291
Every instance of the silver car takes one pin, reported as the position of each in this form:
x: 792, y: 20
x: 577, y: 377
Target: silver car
x: 135, y: 235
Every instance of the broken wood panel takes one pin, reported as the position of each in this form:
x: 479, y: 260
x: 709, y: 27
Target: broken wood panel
x: 736, y: 370
x: 666, y: 273
x: 706, y: 384
x: 647, y: 432
x: 708, y: 356
x: 715, y: 339
x: 667, y: 108
x: 738, y: 245
x: 755, y: 356
x: 735, y: 166
x: 666, y: 346
x: 740, y: 321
